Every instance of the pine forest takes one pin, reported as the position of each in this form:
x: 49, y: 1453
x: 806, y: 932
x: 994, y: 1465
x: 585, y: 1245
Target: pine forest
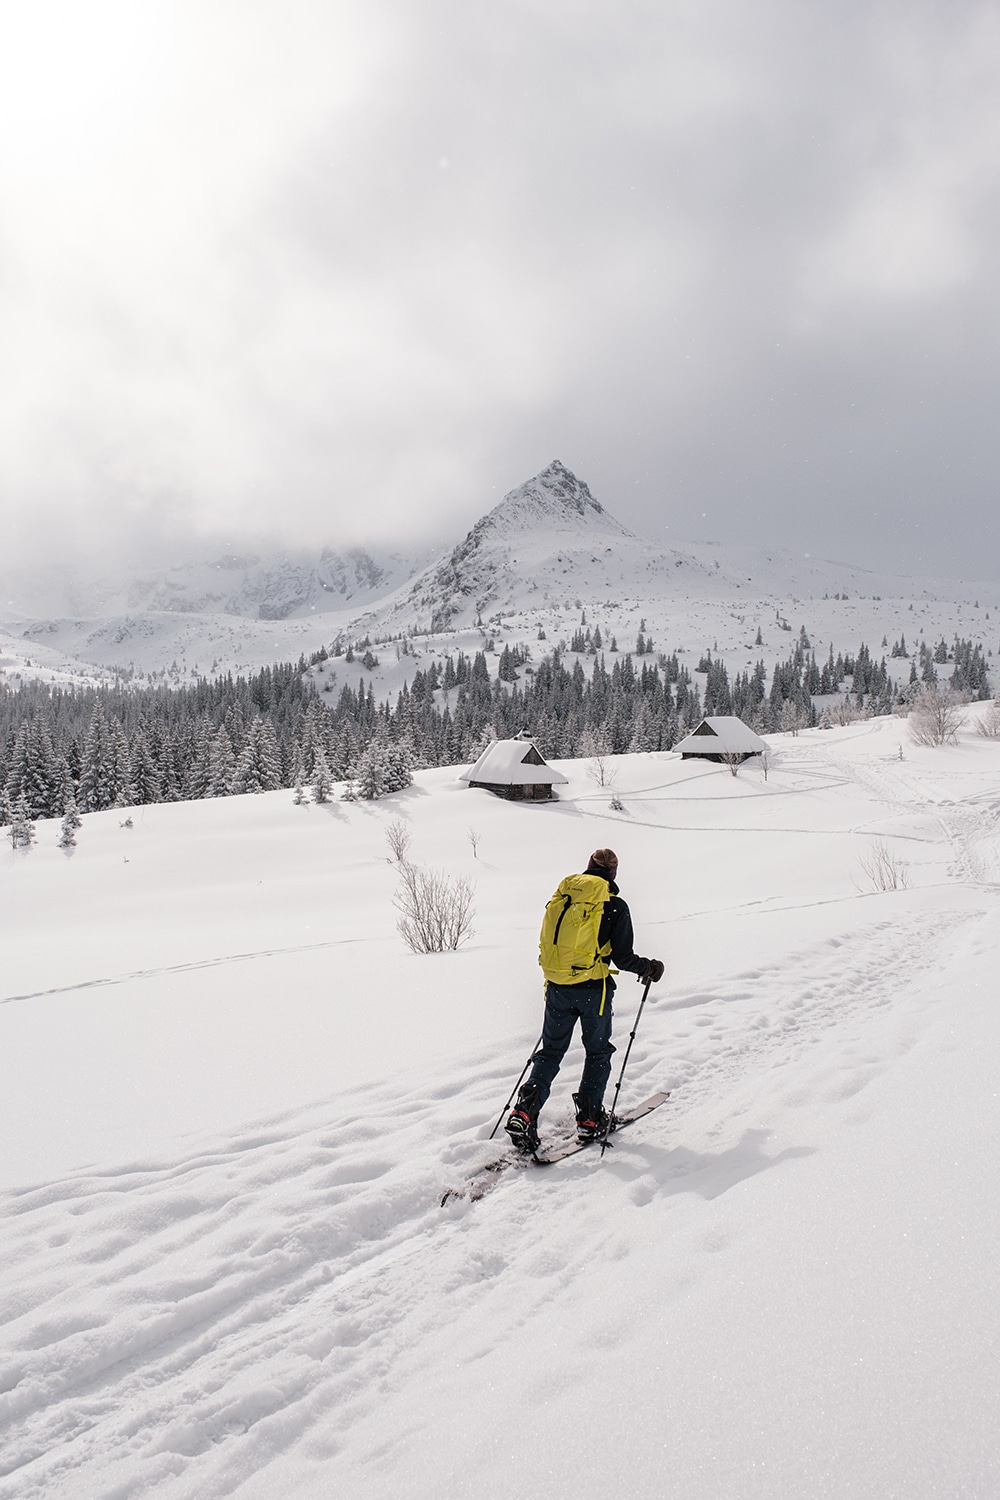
x: 82, y: 749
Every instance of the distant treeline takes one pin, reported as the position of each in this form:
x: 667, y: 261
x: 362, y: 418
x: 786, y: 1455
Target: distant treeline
x: 123, y: 746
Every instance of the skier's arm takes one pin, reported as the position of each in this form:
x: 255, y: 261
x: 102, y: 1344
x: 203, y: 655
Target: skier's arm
x: 620, y: 934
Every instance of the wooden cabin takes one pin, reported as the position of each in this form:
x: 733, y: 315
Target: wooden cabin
x: 513, y: 769
x: 721, y: 738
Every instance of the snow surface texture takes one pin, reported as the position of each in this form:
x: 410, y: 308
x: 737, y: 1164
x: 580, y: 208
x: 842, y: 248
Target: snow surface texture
x: 548, y: 552
x: 231, y: 1102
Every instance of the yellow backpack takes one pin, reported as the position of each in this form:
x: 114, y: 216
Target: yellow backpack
x: 569, y: 949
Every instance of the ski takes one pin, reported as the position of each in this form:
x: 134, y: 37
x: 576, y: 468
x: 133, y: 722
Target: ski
x: 486, y: 1178
x: 569, y: 1148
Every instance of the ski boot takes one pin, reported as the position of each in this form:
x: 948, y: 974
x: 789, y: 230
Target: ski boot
x: 592, y: 1121
x: 522, y: 1122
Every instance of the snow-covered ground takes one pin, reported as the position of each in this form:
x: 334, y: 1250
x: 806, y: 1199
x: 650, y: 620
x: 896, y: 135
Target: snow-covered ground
x: 231, y: 1102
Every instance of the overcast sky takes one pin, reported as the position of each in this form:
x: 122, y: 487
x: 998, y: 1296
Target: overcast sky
x: 348, y: 270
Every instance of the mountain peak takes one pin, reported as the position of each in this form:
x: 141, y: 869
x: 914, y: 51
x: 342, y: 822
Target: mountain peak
x: 555, y: 497
x: 526, y: 535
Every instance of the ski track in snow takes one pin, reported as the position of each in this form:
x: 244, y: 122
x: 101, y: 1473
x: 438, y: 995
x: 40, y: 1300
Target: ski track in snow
x: 186, y: 968
x: 212, y: 1342
x: 174, y: 1328
x: 971, y: 824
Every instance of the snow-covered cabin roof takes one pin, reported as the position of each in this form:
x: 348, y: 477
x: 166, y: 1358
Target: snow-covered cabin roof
x: 513, y: 763
x: 722, y: 734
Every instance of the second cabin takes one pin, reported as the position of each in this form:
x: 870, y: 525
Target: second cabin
x: 723, y: 738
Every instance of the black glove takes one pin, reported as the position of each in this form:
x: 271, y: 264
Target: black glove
x: 653, y: 972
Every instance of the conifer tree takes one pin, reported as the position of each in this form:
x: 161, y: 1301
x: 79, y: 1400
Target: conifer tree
x: 121, y: 767
x: 258, y: 768
x: 146, y: 780
x: 42, y: 778
x: 221, y: 764
x: 198, y: 757
x: 71, y: 821
x: 21, y: 829
x: 97, y: 772
x: 322, y: 784
x: 71, y: 815
x: 13, y: 783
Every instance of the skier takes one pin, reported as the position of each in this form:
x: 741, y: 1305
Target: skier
x: 587, y: 921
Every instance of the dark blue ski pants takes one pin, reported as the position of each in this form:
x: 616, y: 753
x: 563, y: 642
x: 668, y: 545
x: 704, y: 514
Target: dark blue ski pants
x: 564, y: 1004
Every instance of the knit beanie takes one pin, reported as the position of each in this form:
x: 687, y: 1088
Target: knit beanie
x: 603, y: 862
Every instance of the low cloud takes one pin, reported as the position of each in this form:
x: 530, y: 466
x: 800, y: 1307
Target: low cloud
x: 327, y: 272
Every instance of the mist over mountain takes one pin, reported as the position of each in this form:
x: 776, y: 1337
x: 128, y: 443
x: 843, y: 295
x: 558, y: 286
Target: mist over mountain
x: 527, y: 569
x: 253, y: 583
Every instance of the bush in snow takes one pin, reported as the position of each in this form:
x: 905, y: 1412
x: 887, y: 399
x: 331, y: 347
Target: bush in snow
x: 596, y: 746
x: 885, y: 872
x: 793, y: 718
x: 435, y: 909
x: 398, y: 837
x: 844, y: 712
x: 935, y: 716
x: 988, y: 727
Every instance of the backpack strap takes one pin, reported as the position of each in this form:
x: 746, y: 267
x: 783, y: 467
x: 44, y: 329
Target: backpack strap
x: 567, y: 903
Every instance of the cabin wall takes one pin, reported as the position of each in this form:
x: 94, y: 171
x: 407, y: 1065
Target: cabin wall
x: 518, y: 792
x: 720, y: 758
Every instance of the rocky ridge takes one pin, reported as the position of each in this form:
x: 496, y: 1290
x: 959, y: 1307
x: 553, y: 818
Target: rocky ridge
x: 547, y: 556
x: 542, y: 533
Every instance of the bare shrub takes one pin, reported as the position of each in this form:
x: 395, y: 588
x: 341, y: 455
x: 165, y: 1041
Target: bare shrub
x: 935, y: 716
x: 435, y: 909
x: 399, y: 838
x: 793, y: 718
x: 595, y: 746
x: 602, y: 771
x: 845, y: 712
x: 474, y: 837
x: 733, y: 759
x: 988, y: 727
x: 884, y: 870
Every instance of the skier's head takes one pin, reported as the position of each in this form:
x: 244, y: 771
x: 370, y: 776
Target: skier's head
x: 603, y: 862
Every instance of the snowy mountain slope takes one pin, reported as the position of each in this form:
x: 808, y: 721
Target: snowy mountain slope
x: 554, y: 524
x: 550, y: 539
x: 175, y: 646
x: 26, y: 660
x: 222, y: 614
x: 277, y: 585
x: 547, y: 554
x: 782, y: 1284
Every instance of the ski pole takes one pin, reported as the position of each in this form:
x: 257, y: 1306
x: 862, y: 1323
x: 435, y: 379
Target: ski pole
x: 515, y: 1088
x: 621, y: 1075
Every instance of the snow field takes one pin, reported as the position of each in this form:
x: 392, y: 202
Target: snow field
x: 232, y: 1101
